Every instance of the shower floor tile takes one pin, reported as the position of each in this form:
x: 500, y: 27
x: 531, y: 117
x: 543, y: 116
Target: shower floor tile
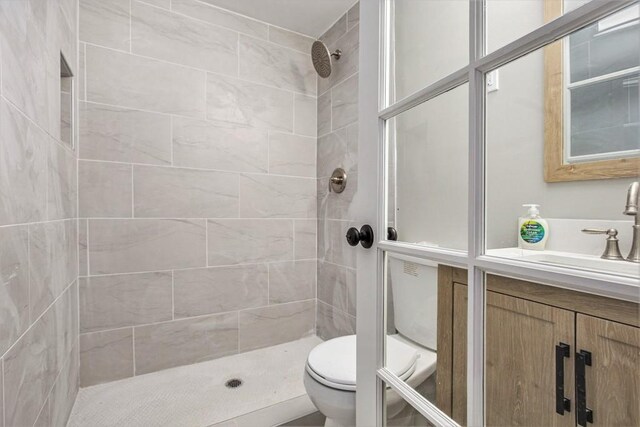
x: 196, y: 395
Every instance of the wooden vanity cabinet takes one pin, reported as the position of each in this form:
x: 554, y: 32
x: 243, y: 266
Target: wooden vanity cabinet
x: 534, y: 333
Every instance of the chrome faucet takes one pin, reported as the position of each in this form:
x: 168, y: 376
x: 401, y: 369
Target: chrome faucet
x: 632, y: 210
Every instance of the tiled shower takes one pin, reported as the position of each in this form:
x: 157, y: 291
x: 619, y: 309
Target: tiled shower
x: 190, y: 219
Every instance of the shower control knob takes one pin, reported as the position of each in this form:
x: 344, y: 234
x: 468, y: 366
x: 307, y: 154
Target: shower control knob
x: 364, y: 236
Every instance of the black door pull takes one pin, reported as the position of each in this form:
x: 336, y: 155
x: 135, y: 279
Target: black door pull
x: 562, y: 403
x: 364, y: 236
x: 584, y: 415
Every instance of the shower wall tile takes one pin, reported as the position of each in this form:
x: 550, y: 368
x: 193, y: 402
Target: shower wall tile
x: 337, y: 30
x: 265, y: 196
x: 122, y: 135
x: 333, y: 323
x: 105, y: 23
x: 83, y: 258
x: 244, y: 103
x: 181, y: 342
x: 44, y: 417
x: 269, y: 64
x: 305, y: 238
x: 336, y: 286
x: 292, y: 155
x: 105, y: 189
x: 305, y: 115
x: 291, y: 281
x: 290, y: 39
x: 164, y: 35
x: 165, y: 4
x: 241, y: 241
x: 14, y: 284
x: 339, y: 206
x: 338, y: 149
x: 332, y: 246
x: 324, y: 114
x: 353, y: 16
x: 161, y: 192
x: 210, y: 145
x: 220, y: 289
x: 62, y: 191
x: 23, y: 150
x: 106, y: 356
x: 64, y: 392
x: 221, y: 17
x: 132, y: 81
x: 263, y: 327
x: 53, y: 262
x: 139, y: 245
x: 117, y: 301
x: 344, y: 103
x: 347, y: 65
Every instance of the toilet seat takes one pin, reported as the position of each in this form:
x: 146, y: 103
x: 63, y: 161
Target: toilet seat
x: 333, y: 362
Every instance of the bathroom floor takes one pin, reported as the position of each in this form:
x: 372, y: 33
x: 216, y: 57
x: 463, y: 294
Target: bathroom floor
x: 195, y: 395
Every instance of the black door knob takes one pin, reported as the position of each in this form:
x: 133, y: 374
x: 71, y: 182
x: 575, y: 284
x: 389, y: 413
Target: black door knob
x: 364, y: 236
x: 392, y: 234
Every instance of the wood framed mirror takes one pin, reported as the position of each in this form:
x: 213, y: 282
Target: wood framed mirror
x: 589, y: 75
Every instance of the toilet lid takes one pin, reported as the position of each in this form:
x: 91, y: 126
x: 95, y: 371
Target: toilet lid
x: 335, y: 361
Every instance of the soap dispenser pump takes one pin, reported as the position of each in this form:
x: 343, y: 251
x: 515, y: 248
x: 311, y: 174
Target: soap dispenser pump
x: 533, y: 231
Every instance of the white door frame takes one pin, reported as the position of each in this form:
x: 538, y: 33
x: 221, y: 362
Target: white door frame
x: 373, y: 113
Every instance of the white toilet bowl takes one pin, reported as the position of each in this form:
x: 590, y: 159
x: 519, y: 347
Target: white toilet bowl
x: 330, y: 375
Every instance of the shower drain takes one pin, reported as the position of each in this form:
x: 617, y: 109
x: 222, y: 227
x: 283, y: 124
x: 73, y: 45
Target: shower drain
x: 233, y: 383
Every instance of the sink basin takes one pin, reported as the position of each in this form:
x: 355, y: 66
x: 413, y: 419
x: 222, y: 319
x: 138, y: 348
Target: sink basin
x: 583, y: 262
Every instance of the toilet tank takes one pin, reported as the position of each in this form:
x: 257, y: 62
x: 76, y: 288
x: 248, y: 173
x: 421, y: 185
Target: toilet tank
x: 414, y: 289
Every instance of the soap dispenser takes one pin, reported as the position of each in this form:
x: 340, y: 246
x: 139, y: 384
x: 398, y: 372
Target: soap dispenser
x: 533, y: 231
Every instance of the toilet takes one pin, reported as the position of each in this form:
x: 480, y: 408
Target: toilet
x: 330, y: 371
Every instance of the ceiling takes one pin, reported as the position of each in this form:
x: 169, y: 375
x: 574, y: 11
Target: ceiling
x: 310, y: 17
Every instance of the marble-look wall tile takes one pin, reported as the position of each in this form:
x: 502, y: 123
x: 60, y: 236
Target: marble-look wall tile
x: 64, y: 393
x: 336, y: 286
x: 24, y: 151
x: 182, y: 342
x: 106, y: 356
x: 166, y: 4
x: 122, y: 135
x: 339, y: 206
x: 305, y: 114
x: 83, y: 254
x: 105, y: 190
x: 210, y: 145
x: 337, y: 30
x: 105, y: 23
x: 240, y: 241
x: 62, y: 192
x: 332, y: 246
x: 270, y: 64
x: 344, y: 103
x: 132, y: 81
x: 277, y: 324
x: 338, y: 149
x: 290, y: 39
x: 14, y: 284
x: 305, y: 238
x: 53, y: 249
x: 265, y: 196
x: 353, y: 16
x: 221, y: 17
x: 161, y: 192
x: 116, y: 301
x: 220, y: 289
x: 292, y: 281
x: 175, y: 38
x: 348, y: 63
x: 30, y: 66
x: 239, y: 102
x: 324, y: 114
x: 333, y: 323
x: 131, y: 245
x: 292, y: 155
x: 44, y: 417
x: 81, y: 89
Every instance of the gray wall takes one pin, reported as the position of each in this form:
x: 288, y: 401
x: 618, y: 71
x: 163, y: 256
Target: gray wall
x: 197, y: 186
x: 428, y: 207
x: 338, y: 147
x: 38, y: 225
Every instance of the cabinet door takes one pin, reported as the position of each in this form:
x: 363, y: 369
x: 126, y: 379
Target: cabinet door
x: 612, y: 382
x: 520, y: 371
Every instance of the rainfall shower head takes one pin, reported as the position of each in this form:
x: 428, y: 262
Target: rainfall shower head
x: 321, y: 58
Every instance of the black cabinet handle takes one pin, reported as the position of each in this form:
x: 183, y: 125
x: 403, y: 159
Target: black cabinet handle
x: 584, y: 415
x: 364, y: 236
x: 562, y: 403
